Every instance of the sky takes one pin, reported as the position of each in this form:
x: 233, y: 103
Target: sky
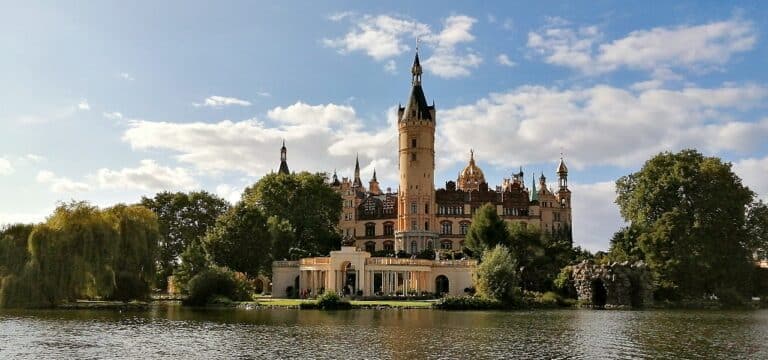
x: 110, y: 101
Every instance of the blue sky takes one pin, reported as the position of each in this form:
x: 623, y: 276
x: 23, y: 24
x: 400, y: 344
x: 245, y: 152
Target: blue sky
x: 109, y: 101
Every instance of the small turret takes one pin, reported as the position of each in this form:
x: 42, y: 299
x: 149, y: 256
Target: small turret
x: 373, y: 185
x: 283, y: 160
x: 562, y: 173
x: 357, y: 183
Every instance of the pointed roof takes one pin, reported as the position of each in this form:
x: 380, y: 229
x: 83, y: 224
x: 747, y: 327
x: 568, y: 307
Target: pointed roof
x: 374, y: 175
x: 283, y: 160
x: 357, y: 182
x: 417, y: 102
x: 534, y: 193
x: 561, y: 168
x: 335, y: 179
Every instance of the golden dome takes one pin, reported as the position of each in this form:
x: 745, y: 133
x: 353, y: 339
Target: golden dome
x: 471, y: 177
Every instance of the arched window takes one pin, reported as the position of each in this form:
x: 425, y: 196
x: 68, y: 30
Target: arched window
x: 446, y: 227
x: 414, y: 247
x: 389, y: 229
x: 429, y: 245
x: 389, y: 245
x: 370, y: 246
x: 370, y: 229
x: 464, y: 228
x: 446, y: 244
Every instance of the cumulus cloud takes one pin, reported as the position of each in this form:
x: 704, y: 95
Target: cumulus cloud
x: 595, y: 215
x: 60, y: 184
x: 147, y: 176
x: 126, y: 76
x: 113, y: 115
x: 229, y: 192
x: 383, y: 36
x: 697, y: 47
x: 318, y: 137
x: 222, y: 101
x: 83, y: 105
x: 503, y: 59
x: 753, y: 174
x: 34, y: 158
x: 602, y: 125
x: 5, y: 167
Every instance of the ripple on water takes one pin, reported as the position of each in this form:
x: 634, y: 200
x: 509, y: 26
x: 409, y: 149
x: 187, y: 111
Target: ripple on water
x: 176, y: 332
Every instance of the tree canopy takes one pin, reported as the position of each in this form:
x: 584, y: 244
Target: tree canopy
x: 496, y: 276
x: 240, y: 241
x: 690, y: 213
x: 183, y: 218
x: 307, y: 203
x: 486, y: 231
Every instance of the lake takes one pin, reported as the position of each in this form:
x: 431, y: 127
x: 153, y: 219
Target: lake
x: 176, y: 332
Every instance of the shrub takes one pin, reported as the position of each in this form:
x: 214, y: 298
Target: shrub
x: 496, y: 277
x: 730, y: 297
x: 467, y: 303
x: 331, y: 301
x: 209, y: 283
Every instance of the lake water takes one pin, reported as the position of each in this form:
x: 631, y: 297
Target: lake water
x: 176, y: 332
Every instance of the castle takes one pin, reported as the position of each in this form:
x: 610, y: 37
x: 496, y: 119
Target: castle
x: 418, y: 217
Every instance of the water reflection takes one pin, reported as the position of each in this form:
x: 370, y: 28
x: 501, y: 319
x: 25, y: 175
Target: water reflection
x: 175, y: 332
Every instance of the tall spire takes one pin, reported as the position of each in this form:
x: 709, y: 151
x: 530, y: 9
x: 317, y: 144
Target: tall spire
x: 374, y: 174
x: 357, y: 182
x: 534, y: 193
x: 283, y: 160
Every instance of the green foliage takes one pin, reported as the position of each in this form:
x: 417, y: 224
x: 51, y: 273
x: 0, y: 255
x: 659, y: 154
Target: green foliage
x: 496, y: 277
x: 214, y: 282
x: 331, y: 301
x: 546, y: 300
x: 564, y: 283
x: 307, y: 203
x: 487, y: 231
x: 82, y: 252
x: 240, y: 240
x: 468, y: 303
x: 182, y: 218
x: 757, y: 229
x: 624, y: 245
x: 13, y: 248
x: 691, y: 210
x: 193, y: 261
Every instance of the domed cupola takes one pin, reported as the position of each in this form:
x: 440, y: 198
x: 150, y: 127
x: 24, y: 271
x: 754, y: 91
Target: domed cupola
x: 471, y: 177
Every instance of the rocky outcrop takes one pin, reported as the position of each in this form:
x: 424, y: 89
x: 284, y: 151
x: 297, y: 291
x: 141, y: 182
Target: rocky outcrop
x: 614, y: 285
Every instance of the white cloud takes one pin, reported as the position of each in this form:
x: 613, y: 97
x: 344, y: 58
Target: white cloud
x: 601, y: 125
x: 263, y: 94
x: 83, y: 105
x: 221, y: 101
x: 126, y: 76
x: 753, y: 173
x: 229, y: 192
x: 595, y: 215
x: 390, y: 67
x: 34, y: 158
x: 60, y: 184
x: 336, y: 17
x: 318, y: 137
x: 24, y: 218
x: 147, y: 176
x: 694, y: 47
x: 113, y: 115
x: 6, y: 168
x: 503, y: 59
x: 383, y: 36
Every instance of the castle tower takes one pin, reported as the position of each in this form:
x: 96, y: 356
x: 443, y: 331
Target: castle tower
x: 416, y: 150
x: 563, y: 194
x: 283, y: 160
x: 357, y: 183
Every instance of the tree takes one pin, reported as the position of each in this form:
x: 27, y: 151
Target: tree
x: 194, y: 260
x: 496, y: 276
x: 13, y: 248
x: 183, y: 218
x: 307, y: 202
x: 240, y: 241
x: 624, y: 245
x: 138, y: 238
x: 757, y: 229
x: 692, y: 212
x: 487, y: 231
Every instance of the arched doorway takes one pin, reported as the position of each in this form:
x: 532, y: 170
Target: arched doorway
x: 258, y: 286
x: 294, y: 291
x: 349, y: 279
x: 441, y: 285
x: 599, y: 293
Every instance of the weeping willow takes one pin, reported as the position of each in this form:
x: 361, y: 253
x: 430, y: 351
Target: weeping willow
x: 82, y: 252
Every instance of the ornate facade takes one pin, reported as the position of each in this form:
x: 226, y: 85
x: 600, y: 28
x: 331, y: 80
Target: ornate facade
x: 419, y: 217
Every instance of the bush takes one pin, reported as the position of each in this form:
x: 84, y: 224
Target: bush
x: 496, y: 277
x: 213, y: 282
x: 731, y: 297
x: 467, y: 303
x: 331, y: 301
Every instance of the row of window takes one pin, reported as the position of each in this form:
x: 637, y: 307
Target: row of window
x: 450, y: 210
x: 446, y: 228
x: 370, y: 229
x: 389, y: 245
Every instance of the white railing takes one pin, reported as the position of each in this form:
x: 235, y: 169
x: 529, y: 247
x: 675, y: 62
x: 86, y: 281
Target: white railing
x: 315, y: 261
x: 285, y: 263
